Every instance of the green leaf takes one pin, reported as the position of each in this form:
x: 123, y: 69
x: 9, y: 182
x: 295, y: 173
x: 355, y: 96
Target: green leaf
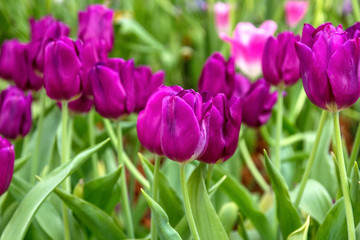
x: 243, y: 199
x: 20, y: 162
x: 228, y: 215
x: 166, y: 232
x: 207, y: 221
x: 302, y: 232
x: 95, y: 219
x: 355, y: 193
x: 104, y: 191
x: 19, y: 223
x: 287, y: 215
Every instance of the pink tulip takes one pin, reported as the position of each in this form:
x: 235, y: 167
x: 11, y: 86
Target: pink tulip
x: 295, y: 11
x: 222, y: 18
x: 247, y: 45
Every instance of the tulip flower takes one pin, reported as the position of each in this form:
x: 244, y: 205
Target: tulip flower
x: 15, y: 113
x: 217, y: 76
x: 280, y: 63
x: 80, y: 105
x: 62, y: 73
x: 223, y: 129
x: 242, y: 85
x: 247, y: 45
x: 96, y: 23
x: 9, y: 58
x: 354, y: 30
x: 295, y: 11
x: 257, y: 104
x: 7, y: 158
x: 222, y: 17
x: 329, y: 63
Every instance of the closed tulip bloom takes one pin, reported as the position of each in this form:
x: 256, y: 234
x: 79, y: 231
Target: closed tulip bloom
x: 222, y: 17
x: 146, y: 83
x: 149, y: 120
x: 354, y: 30
x: 217, y: 76
x: 62, y: 69
x: 329, y: 63
x: 247, y: 45
x: 295, y: 11
x: 96, y: 23
x: 15, y: 113
x: 280, y: 63
x: 7, y: 158
x: 9, y: 58
x: 257, y: 104
x: 223, y: 129
x: 242, y: 85
x: 183, y: 135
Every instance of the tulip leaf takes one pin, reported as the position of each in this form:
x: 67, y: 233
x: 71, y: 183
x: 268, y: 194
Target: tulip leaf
x: 21, y: 219
x: 163, y: 226
x: 287, y: 215
x: 355, y: 193
x: 207, y: 221
x: 243, y: 199
x: 302, y: 232
x: 104, y: 192
x: 20, y: 162
x: 95, y: 219
x: 228, y: 215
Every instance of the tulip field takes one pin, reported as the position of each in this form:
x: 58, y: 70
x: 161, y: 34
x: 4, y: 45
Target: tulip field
x: 179, y: 119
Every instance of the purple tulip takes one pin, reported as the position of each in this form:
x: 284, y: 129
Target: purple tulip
x: 217, y: 76
x: 257, y: 104
x: 9, y: 58
x: 62, y: 73
x: 223, y: 129
x: 146, y: 83
x: 96, y: 23
x: 80, y: 105
x: 15, y: 113
x: 149, y: 120
x: 7, y: 158
x: 242, y: 85
x: 354, y: 30
x: 280, y: 63
x: 329, y: 63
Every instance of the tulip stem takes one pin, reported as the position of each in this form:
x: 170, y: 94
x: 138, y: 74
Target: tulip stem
x: 343, y: 179
x: 35, y: 158
x: 94, y: 157
x: 253, y: 169
x: 311, y: 158
x: 189, y: 215
x: 279, y: 119
x: 155, y: 194
x: 124, y: 191
x: 64, y: 160
x: 209, y: 175
x: 355, y: 149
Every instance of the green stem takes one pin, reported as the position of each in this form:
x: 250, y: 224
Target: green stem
x: 311, y: 158
x: 253, y: 169
x: 279, y: 118
x: 188, y: 211
x: 155, y: 194
x: 355, y: 149
x: 64, y: 160
x: 94, y: 157
x: 124, y: 192
x: 299, y: 105
x: 209, y: 175
x: 35, y: 158
x: 343, y: 179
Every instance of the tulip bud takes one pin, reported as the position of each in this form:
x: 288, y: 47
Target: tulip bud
x: 257, y: 104
x: 96, y: 23
x: 15, y: 113
x: 7, y: 158
x: 242, y: 85
x: 280, y: 63
x: 9, y: 58
x: 62, y: 69
x: 222, y: 17
x: 247, y: 45
x: 217, y: 76
x: 223, y: 129
x: 295, y: 11
x: 329, y: 66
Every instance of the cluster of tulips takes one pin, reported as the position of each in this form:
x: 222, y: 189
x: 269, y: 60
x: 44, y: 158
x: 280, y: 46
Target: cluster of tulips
x: 181, y: 124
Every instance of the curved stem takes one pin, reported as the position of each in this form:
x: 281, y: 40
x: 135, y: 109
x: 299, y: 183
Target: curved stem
x: 311, y: 158
x: 343, y: 179
x: 64, y: 160
x: 35, y: 158
x: 94, y: 157
x: 279, y: 117
x: 155, y: 194
x: 188, y: 211
x: 124, y: 192
x: 355, y: 149
x: 253, y: 169
x: 299, y: 105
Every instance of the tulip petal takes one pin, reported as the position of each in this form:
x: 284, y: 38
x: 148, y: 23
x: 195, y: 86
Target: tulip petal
x: 7, y: 156
x: 269, y: 61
